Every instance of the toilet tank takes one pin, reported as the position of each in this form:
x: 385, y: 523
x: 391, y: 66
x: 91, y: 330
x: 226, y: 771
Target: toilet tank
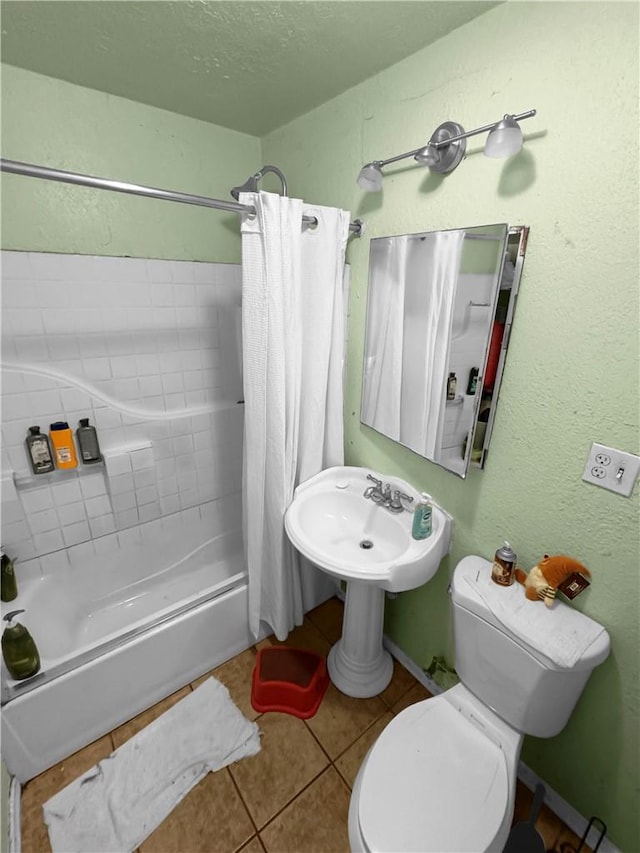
x: 527, y: 689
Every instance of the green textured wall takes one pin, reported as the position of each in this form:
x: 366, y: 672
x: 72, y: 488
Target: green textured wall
x: 52, y: 123
x: 572, y: 371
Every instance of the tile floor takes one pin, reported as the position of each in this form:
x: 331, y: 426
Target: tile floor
x: 293, y: 797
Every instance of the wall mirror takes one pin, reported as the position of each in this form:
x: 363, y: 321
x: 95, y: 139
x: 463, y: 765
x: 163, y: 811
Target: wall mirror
x: 439, y: 312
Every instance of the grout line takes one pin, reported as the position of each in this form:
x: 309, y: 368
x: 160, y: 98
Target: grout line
x: 295, y: 797
x: 317, y: 740
x: 239, y: 792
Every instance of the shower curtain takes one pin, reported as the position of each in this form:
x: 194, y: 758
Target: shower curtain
x: 382, y: 386
x: 442, y: 279
x: 293, y: 342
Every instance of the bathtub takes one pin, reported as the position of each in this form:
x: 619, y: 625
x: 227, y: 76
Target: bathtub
x: 117, y: 636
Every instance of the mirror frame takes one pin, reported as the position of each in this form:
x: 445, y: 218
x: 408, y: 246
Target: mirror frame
x: 515, y: 245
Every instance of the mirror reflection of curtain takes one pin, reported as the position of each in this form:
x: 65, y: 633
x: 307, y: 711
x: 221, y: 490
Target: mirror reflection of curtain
x: 381, y: 403
x: 429, y: 302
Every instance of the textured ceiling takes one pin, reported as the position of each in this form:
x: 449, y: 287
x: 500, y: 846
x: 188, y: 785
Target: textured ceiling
x: 250, y: 65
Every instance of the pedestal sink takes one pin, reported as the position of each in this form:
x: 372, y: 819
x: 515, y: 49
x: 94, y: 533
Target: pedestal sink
x: 333, y: 524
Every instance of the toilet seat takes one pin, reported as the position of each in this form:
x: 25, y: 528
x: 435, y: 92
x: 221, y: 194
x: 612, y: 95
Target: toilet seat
x: 434, y: 781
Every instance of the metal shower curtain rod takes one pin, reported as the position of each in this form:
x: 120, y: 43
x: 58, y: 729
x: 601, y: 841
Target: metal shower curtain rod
x: 31, y: 171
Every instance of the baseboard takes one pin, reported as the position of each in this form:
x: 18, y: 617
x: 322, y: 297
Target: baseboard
x: 576, y: 822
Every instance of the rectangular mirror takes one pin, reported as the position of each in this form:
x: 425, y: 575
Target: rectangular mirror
x: 439, y: 311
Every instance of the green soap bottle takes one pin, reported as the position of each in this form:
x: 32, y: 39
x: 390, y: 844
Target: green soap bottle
x: 8, y: 584
x: 19, y: 650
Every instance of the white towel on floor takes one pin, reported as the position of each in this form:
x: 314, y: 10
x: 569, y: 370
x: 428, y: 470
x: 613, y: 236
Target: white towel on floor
x: 115, y: 805
x: 561, y: 633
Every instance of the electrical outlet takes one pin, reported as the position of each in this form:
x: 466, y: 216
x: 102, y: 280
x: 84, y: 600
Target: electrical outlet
x: 612, y: 469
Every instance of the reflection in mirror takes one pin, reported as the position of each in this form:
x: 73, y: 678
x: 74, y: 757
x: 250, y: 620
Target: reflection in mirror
x: 437, y: 308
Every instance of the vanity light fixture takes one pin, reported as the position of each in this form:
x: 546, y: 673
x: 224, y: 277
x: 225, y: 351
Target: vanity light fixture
x: 447, y: 146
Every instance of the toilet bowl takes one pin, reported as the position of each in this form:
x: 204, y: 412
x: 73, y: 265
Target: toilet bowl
x: 442, y: 775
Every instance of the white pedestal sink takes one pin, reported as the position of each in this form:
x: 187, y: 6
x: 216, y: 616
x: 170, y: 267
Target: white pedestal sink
x: 366, y: 544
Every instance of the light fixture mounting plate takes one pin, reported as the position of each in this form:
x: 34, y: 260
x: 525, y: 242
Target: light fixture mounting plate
x: 452, y: 154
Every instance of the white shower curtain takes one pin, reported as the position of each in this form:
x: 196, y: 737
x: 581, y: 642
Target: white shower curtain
x: 442, y: 280
x: 293, y: 340
x: 382, y: 386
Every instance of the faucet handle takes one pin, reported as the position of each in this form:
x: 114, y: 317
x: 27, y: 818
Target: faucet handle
x: 374, y: 480
x: 398, y: 497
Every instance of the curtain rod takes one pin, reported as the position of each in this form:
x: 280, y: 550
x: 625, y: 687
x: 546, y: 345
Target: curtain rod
x: 32, y: 171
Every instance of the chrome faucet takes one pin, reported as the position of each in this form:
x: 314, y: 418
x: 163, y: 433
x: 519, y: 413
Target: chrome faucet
x: 382, y: 495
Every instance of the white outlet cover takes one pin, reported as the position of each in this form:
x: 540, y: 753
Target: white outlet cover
x: 612, y: 469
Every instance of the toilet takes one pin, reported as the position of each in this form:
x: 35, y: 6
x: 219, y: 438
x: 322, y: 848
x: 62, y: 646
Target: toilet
x: 442, y: 775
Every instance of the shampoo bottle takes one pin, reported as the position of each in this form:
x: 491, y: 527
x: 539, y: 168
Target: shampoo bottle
x: 8, y: 577
x: 39, y: 451
x: 87, y: 439
x: 452, y: 384
x: 63, y: 447
x: 422, y: 525
x: 19, y: 650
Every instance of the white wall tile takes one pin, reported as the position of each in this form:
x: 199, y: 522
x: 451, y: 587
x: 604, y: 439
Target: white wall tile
x: 41, y: 522
x: 66, y: 492
x: 127, y: 500
x: 144, y: 331
x: 125, y: 519
x: 37, y: 499
x: 50, y: 541
x: 93, y: 485
x: 142, y: 459
x: 76, y: 533
x: 102, y: 525
x: 98, y: 506
x: 72, y: 513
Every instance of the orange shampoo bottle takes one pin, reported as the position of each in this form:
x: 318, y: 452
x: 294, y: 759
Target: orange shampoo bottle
x: 63, y: 447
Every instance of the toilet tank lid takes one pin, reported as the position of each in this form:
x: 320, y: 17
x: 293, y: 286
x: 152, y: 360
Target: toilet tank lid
x: 559, y: 637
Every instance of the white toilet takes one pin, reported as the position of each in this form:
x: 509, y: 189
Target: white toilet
x: 442, y: 775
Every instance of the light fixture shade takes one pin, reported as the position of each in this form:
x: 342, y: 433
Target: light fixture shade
x: 505, y: 139
x: 427, y: 156
x: 370, y: 178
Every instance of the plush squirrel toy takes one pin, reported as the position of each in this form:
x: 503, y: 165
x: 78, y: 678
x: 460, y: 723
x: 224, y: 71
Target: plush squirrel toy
x: 544, y: 579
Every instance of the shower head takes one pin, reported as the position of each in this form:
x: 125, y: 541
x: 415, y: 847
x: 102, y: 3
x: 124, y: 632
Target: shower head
x: 251, y: 184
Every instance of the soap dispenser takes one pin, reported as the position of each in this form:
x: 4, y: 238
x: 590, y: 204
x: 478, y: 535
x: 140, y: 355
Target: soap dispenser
x: 9, y: 586
x: 422, y: 526
x: 19, y: 650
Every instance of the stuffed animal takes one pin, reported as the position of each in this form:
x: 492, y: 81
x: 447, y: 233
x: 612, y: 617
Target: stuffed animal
x: 544, y: 579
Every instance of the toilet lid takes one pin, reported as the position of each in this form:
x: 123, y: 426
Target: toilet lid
x: 433, y: 781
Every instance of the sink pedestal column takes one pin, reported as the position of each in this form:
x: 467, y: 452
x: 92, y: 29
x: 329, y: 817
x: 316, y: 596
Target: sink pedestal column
x: 358, y: 664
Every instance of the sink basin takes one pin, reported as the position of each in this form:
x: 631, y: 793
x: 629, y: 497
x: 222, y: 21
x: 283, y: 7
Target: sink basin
x: 349, y: 536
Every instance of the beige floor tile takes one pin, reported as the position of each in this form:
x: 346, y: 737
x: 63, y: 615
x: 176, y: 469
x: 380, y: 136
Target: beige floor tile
x: 35, y: 838
x: 568, y: 842
x: 328, y: 619
x: 236, y: 674
x: 135, y: 725
x: 210, y: 819
x: 417, y: 693
x: 315, y: 822
x: 349, y: 762
x: 341, y: 720
x: 401, y: 682
x: 549, y: 827
x: 289, y: 760
x: 305, y: 636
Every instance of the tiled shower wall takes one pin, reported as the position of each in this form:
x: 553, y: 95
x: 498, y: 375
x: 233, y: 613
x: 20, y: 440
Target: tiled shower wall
x: 150, y: 351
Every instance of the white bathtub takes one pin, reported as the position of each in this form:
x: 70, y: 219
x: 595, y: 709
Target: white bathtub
x: 117, y: 636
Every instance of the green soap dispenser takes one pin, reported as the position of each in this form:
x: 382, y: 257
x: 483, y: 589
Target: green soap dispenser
x: 19, y: 650
x: 9, y: 587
